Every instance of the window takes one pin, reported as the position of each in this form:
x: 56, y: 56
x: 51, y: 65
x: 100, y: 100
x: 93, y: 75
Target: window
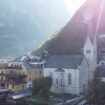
x: 29, y: 79
x: 40, y: 72
x: 23, y: 73
x: 23, y: 87
x: 3, y: 85
x: 69, y: 78
x: 7, y: 85
x: 42, y: 65
x: 1, y: 78
x: 57, y: 82
x: 88, y: 51
x: 61, y: 82
x: 102, y: 63
x: 30, y: 86
x: 51, y: 75
x: 2, y: 72
x: 13, y: 86
x: 29, y: 73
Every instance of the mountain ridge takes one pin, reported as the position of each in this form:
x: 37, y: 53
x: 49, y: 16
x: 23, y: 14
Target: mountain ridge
x: 71, y: 38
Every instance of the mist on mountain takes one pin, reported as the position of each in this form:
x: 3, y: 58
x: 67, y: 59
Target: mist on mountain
x: 25, y: 24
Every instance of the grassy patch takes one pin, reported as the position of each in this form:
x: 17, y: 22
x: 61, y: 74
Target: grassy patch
x: 65, y: 95
x: 39, y: 99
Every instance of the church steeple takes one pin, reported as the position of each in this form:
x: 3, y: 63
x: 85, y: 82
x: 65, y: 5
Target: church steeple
x: 88, y: 20
x: 90, y: 46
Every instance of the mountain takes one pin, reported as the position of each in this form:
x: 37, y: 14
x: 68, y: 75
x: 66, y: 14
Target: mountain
x: 71, y: 38
x: 24, y: 24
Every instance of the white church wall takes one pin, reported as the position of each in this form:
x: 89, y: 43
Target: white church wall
x: 72, y: 88
x: 84, y: 76
x: 58, y: 82
x: 50, y: 72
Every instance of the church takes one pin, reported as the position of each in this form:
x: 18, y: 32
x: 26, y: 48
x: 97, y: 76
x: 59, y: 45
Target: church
x: 72, y: 73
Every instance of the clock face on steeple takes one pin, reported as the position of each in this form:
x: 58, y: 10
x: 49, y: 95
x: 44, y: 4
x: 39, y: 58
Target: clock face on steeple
x: 87, y: 16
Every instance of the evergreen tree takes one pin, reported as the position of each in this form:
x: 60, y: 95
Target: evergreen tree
x: 42, y: 87
x: 96, y: 90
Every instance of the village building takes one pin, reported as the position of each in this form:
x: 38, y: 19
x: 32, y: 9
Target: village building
x: 19, y: 74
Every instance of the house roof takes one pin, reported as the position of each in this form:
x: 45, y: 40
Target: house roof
x: 22, y: 94
x: 30, y: 66
x: 64, y: 61
x: 26, y: 64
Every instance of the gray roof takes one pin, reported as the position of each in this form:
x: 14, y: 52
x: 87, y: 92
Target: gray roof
x: 29, y: 66
x: 26, y: 64
x: 64, y: 61
x: 22, y: 94
x: 18, y: 59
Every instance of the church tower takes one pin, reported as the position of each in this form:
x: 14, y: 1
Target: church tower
x: 95, y: 51
x: 90, y: 46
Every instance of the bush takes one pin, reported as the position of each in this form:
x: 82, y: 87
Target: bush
x: 42, y: 87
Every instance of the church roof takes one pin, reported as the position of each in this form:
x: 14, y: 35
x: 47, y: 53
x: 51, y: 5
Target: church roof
x: 64, y: 61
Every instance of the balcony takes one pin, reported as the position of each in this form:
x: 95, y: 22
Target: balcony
x: 14, y: 82
x: 2, y: 74
x: 14, y: 78
x: 21, y: 76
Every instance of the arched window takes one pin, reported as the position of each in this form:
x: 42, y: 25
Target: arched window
x: 88, y: 51
x: 2, y: 72
x: 61, y: 82
x: 51, y: 74
x: 69, y: 79
x: 57, y: 82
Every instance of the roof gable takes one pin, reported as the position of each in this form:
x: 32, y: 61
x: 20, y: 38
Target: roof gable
x: 59, y: 70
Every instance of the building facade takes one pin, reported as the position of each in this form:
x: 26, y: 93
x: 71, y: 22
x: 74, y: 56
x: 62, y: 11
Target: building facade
x: 12, y: 77
x: 18, y: 75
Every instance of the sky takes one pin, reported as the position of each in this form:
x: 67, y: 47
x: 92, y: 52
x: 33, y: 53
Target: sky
x: 73, y: 5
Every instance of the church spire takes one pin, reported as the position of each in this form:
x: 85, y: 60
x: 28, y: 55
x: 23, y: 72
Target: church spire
x: 90, y: 47
x: 87, y: 18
